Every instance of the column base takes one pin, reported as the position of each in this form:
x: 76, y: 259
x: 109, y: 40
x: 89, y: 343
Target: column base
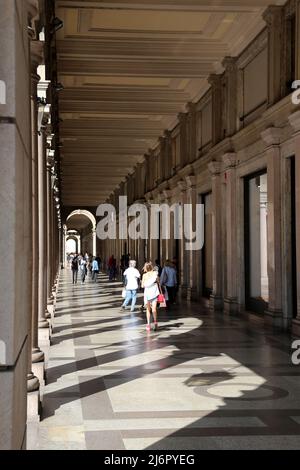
x: 216, y: 302
x: 182, y: 291
x: 38, y: 369
x: 296, y: 327
x: 37, y: 356
x: 192, y: 294
x: 231, y: 306
x: 50, y: 310
x: 43, y: 323
x: 33, y: 383
x: 273, y: 317
x: 33, y: 413
x: 44, y: 333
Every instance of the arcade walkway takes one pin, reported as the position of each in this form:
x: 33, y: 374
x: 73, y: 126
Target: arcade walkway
x: 203, y: 381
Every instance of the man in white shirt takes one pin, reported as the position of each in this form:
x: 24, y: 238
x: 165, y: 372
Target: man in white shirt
x: 131, y: 282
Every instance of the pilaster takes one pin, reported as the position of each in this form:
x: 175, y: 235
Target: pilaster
x: 230, y: 65
x: 274, y: 19
x: 216, y: 299
x: 192, y: 257
x: 295, y: 123
x: 230, y: 300
x: 271, y: 138
x: 184, y: 150
x: 215, y: 80
x: 192, y: 141
x: 183, y: 267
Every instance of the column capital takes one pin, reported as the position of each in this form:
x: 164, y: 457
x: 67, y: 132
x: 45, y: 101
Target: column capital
x: 167, y: 134
x: 230, y: 160
x: 294, y: 120
x: 181, y: 185
x: 273, y: 16
x: 182, y: 117
x: 214, y: 80
x: 215, y: 168
x: 191, y: 107
x: 229, y: 63
x: 167, y: 193
x: 190, y: 181
x: 271, y: 136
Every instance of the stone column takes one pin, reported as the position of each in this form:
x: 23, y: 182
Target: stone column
x: 42, y: 236
x: 183, y: 261
x: 35, y: 355
x: 216, y: 89
x: 274, y: 18
x: 295, y: 123
x: 37, y: 288
x: 167, y: 250
x: 15, y: 227
x: 230, y: 301
x: 297, y: 45
x: 192, y: 256
x: 229, y: 63
x: 49, y: 233
x: 216, y: 299
x: 274, y: 314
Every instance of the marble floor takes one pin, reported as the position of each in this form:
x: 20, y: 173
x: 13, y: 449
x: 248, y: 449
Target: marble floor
x: 202, y: 381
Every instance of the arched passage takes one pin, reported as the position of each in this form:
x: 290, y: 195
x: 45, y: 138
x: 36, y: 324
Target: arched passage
x: 71, y: 244
x: 84, y: 223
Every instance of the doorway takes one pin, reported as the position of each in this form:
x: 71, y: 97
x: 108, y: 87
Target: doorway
x: 256, y: 242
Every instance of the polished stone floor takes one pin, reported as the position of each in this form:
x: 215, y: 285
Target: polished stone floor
x: 202, y: 381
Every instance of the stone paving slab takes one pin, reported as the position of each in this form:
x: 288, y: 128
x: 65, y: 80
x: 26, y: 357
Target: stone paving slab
x: 202, y: 381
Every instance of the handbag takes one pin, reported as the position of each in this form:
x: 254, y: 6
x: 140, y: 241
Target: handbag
x: 161, y: 298
x: 124, y: 293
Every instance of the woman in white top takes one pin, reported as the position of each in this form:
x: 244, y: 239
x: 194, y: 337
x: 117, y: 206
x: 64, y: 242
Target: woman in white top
x: 151, y: 292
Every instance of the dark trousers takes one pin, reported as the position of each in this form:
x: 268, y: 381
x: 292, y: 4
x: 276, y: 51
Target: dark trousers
x: 171, y: 295
x: 75, y: 274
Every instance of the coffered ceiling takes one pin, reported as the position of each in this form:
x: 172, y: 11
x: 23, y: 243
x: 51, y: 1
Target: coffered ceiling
x: 128, y: 68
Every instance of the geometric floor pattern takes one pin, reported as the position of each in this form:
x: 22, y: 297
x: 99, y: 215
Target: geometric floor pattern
x: 202, y: 381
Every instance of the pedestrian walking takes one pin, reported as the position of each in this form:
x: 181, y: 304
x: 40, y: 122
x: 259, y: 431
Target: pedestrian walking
x: 112, y: 267
x: 168, y: 279
x: 95, y: 270
x: 83, y: 269
x: 74, y: 267
x: 131, y: 282
x: 157, y: 267
x: 151, y: 292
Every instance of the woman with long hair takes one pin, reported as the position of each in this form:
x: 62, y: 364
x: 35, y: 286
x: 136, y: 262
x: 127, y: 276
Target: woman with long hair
x: 151, y: 292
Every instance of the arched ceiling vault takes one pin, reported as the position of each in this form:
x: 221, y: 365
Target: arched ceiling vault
x: 128, y: 68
